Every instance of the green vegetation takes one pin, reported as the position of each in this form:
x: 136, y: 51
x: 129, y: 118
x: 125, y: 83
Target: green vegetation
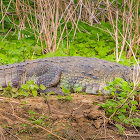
x: 67, y: 96
x: 95, y: 43
x: 18, y: 51
x: 107, y: 30
x: 34, y: 119
x: 108, y: 36
x: 120, y: 90
x: 30, y: 89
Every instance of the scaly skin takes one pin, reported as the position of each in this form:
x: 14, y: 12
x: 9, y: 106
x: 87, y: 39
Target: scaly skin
x: 90, y: 73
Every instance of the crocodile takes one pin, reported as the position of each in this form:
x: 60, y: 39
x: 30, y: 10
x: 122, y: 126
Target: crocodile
x: 89, y: 73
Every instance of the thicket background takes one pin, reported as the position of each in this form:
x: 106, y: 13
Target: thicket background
x: 105, y: 29
x: 108, y: 29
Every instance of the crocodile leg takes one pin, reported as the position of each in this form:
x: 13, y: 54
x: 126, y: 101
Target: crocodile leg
x: 46, y: 74
x: 56, y: 90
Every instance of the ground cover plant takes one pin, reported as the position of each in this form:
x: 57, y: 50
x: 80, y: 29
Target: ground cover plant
x: 69, y: 31
x: 120, y: 91
x: 106, y: 29
x: 95, y: 43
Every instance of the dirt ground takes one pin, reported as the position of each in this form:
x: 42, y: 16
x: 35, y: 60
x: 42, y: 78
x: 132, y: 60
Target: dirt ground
x: 79, y: 119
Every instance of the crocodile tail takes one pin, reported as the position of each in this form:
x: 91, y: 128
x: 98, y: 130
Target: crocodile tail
x: 11, y: 75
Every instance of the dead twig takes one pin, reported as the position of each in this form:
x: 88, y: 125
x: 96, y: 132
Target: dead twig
x: 1, y: 134
x: 122, y: 103
x: 35, y: 125
x: 12, y: 134
x: 72, y: 112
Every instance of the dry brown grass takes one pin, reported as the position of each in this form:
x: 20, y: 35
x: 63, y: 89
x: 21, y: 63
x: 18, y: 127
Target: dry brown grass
x: 47, y: 17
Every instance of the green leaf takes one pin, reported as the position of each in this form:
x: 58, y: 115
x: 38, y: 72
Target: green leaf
x: 16, y: 95
x: 126, y: 121
x: 122, y: 110
x: 25, y: 94
x: 30, y: 82
x: 122, y: 117
x: 134, y: 102
x: 114, y: 89
x: 36, y: 86
x: 112, y: 93
x: 32, y: 112
x: 42, y: 87
x: 26, y: 87
x: 79, y: 89
x: 66, y: 91
x: 68, y: 97
x: 0, y: 88
x: 133, y: 108
x: 37, y: 121
x: 25, y: 102
x: 51, y: 93
x: 34, y: 92
x: 120, y: 128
